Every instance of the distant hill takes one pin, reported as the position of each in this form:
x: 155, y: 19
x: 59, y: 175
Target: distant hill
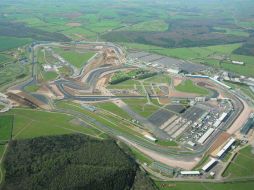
x: 19, y: 30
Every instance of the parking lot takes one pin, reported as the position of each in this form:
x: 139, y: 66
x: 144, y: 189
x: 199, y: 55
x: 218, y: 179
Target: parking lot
x: 160, y: 117
x: 192, y: 126
x: 205, y: 123
x: 164, y: 62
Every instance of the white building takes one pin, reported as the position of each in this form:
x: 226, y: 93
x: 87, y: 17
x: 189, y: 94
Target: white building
x: 210, y: 164
x: 205, y: 136
x: 220, y: 119
x: 47, y: 67
x: 200, y: 99
x: 174, y: 71
x: 190, y: 173
x: 238, y: 62
x: 191, y: 143
x: 225, y: 148
x: 150, y: 137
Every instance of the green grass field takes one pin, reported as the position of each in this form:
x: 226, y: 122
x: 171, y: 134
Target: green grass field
x: 128, y: 84
x: 32, y: 88
x: 33, y: 123
x: 2, y: 147
x: 13, y: 72
x: 189, y: 87
x: 103, y: 26
x: 111, y: 107
x: 235, y: 32
x: 6, y: 122
x: 40, y: 56
x: 105, y: 119
x: 187, y: 53
x: 244, y: 88
x: 7, y: 43
x: 160, y: 78
x: 140, y: 156
x: 242, y: 164
x: 4, y: 58
x: 166, y: 143
x: 78, y: 32
x: 48, y: 76
x: 248, y: 92
x: 75, y: 58
x: 204, y: 186
x: 246, y: 69
x: 141, y: 107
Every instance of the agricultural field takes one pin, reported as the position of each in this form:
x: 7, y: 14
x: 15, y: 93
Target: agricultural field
x: 77, y: 59
x: 236, y: 32
x: 202, y: 186
x: 242, y: 165
x: 189, y: 87
x: 191, y: 53
x: 181, y: 33
x: 149, y: 26
x: 77, y: 33
x: 6, y: 127
x: 156, y: 25
x: 32, y: 123
x: 23, y: 31
x: 104, y: 26
x: 162, y: 23
x: 7, y: 43
x: 4, y: 58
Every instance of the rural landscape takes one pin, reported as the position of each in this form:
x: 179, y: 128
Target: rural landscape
x: 127, y: 95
